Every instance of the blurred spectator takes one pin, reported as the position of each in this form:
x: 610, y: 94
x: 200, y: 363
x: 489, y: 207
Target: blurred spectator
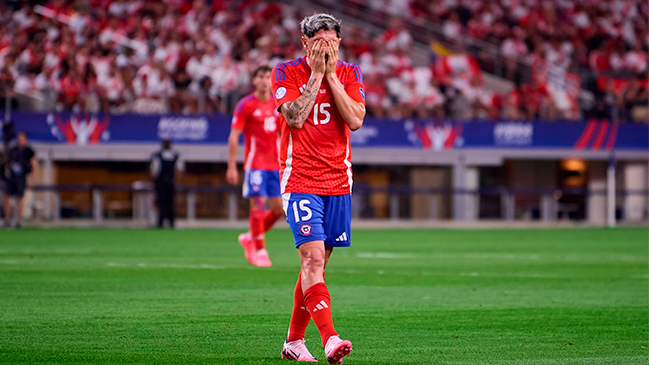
x: 376, y: 95
x: 515, y: 50
x: 633, y: 95
x: 186, y: 56
x: 7, y: 83
x: 396, y: 37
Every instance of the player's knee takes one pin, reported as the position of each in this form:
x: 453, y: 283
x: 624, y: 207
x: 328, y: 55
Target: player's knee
x: 314, y: 260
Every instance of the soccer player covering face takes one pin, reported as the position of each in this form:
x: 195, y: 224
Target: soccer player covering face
x: 256, y: 117
x: 321, y: 99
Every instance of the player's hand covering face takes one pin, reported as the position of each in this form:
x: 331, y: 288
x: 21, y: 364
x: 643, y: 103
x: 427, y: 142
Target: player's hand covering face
x: 332, y: 60
x: 316, y: 56
x: 318, y: 48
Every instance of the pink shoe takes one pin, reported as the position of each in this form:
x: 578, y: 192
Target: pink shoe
x: 336, y: 349
x: 262, y: 259
x: 296, y: 350
x: 248, y: 247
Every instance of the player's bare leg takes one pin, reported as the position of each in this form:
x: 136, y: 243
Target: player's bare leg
x: 8, y: 212
x: 20, y: 202
x: 314, y: 258
x: 272, y: 215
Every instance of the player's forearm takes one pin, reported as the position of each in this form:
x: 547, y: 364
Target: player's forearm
x: 352, y: 111
x: 233, y: 146
x: 297, y: 111
x: 34, y: 163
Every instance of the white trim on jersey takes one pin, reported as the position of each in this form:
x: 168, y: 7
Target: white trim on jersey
x: 289, y: 163
x: 350, y: 180
x: 285, y: 200
x: 246, y: 177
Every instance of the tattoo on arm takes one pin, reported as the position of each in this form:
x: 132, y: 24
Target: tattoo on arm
x: 297, y: 111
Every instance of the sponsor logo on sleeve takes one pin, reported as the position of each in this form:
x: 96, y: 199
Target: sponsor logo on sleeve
x: 280, y: 93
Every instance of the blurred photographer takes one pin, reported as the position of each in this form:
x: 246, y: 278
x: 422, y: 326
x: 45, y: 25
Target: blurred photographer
x: 21, y: 164
x: 164, y: 164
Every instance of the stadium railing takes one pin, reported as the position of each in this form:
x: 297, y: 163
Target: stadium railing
x: 142, y: 199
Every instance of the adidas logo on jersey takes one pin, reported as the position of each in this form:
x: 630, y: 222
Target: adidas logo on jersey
x: 320, y: 306
x: 342, y: 237
x: 257, y: 113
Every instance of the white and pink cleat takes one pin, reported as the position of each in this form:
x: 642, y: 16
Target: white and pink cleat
x: 248, y: 248
x: 336, y: 349
x: 262, y: 259
x: 296, y: 350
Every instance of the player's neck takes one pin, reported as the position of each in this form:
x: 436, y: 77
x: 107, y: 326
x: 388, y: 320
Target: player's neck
x: 262, y: 96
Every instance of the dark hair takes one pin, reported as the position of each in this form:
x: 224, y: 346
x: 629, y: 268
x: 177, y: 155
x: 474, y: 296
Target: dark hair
x: 261, y: 69
x: 166, y: 144
x: 319, y: 21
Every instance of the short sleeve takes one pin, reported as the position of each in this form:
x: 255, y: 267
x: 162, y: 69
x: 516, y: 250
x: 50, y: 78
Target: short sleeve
x: 354, y: 83
x: 239, y: 119
x: 284, y: 87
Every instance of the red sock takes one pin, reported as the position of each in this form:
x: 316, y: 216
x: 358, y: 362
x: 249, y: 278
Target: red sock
x: 317, y: 300
x: 257, y: 229
x: 300, y: 318
x: 269, y: 219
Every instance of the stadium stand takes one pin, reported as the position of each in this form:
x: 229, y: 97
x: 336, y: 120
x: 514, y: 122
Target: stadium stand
x: 196, y: 56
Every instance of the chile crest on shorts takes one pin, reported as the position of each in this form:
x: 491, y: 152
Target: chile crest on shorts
x: 305, y: 229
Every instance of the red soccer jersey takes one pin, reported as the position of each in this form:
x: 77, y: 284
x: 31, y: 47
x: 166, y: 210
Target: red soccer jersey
x: 258, y: 121
x: 317, y: 158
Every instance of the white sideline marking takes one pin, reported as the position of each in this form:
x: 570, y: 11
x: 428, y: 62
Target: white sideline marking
x: 506, y: 256
x: 385, y: 255
x: 487, y: 275
x: 49, y: 250
x: 169, y: 266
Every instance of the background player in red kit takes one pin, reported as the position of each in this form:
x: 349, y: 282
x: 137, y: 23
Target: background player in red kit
x: 256, y: 117
x: 321, y: 99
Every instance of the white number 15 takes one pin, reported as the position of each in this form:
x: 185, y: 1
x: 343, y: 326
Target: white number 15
x: 322, y: 107
x: 304, y: 208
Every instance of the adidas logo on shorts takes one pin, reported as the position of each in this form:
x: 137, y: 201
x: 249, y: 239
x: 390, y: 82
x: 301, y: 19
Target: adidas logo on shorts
x: 342, y: 237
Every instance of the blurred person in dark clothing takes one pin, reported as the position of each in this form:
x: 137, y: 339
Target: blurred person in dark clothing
x: 7, y: 83
x: 164, y: 164
x: 21, y: 163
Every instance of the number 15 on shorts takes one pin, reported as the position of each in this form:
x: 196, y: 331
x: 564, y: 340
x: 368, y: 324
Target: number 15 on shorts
x: 304, y: 213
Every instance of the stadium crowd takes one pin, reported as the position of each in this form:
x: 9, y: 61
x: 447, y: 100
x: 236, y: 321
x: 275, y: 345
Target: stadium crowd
x: 189, y: 56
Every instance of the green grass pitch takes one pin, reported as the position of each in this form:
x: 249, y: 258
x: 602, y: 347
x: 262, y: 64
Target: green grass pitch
x: 401, y: 296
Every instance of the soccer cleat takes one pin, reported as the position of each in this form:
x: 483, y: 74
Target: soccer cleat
x: 262, y: 259
x: 336, y: 349
x: 248, y: 247
x: 296, y: 350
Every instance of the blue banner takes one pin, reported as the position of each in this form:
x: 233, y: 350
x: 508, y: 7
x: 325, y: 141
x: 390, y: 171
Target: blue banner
x: 86, y: 129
